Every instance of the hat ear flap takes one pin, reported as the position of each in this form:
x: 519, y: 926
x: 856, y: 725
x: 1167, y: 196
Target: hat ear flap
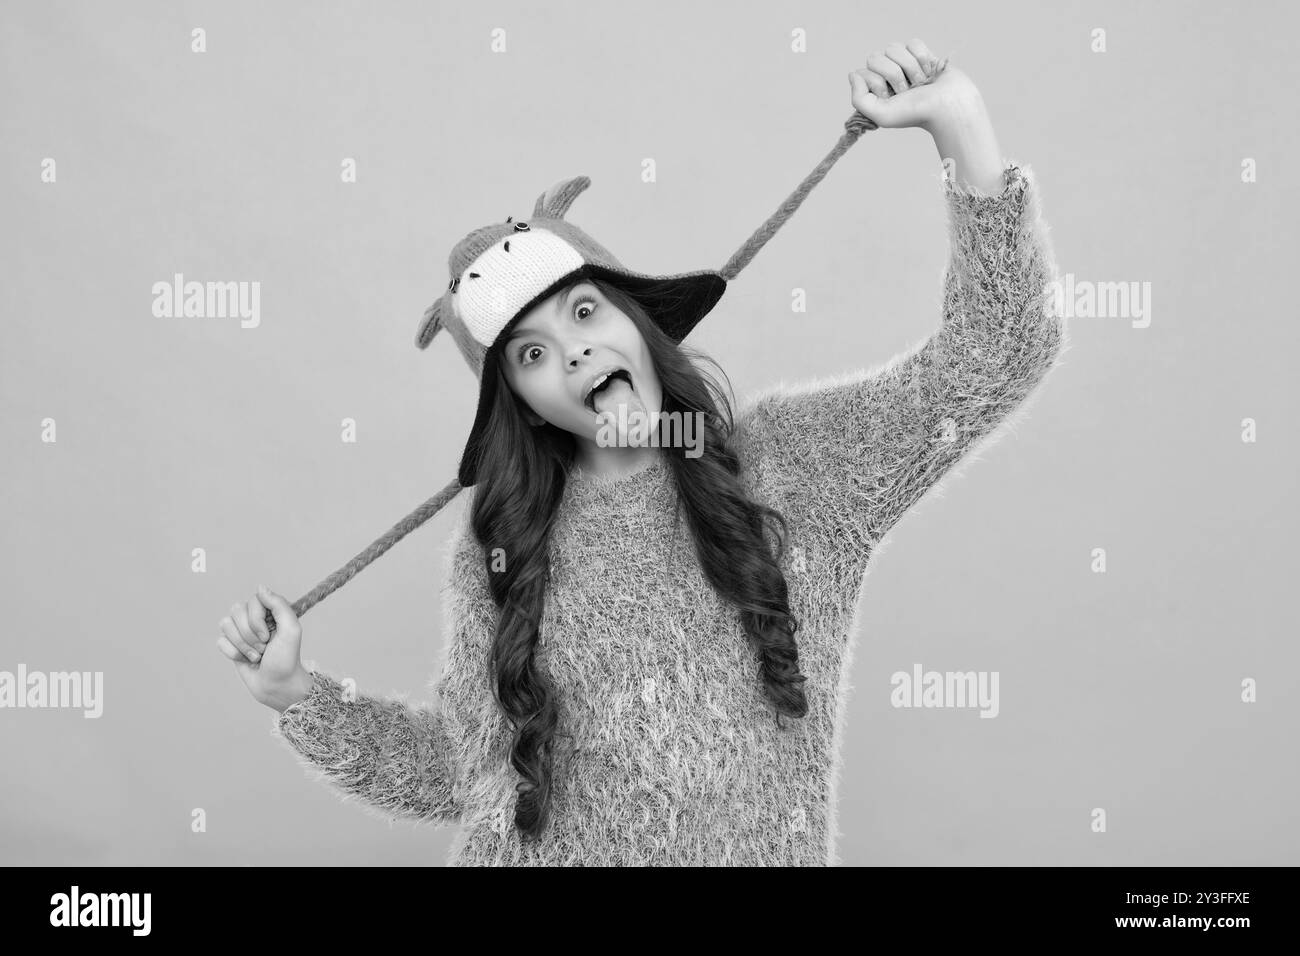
x: 431, y: 325
x: 555, y: 202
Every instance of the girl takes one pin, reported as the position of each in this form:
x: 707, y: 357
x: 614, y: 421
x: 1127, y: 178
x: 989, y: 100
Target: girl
x: 648, y: 647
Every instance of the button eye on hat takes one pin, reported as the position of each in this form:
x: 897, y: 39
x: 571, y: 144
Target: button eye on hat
x: 550, y: 253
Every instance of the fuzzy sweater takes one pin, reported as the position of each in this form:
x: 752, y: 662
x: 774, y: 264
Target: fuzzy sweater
x: 670, y: 752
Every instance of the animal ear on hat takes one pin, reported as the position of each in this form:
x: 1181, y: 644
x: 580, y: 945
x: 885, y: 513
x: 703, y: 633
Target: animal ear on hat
x: 431, y: 324
x: 555, y: 202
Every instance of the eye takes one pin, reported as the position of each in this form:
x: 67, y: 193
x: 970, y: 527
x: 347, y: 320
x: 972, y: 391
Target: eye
x: 523, y: 350
x: 584, y: 301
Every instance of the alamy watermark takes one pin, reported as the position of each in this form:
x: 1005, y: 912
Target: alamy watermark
x: 58, y: 689
x: 102, y: 909
x: 638, y: 429
x: 208, y: 300
x: 1084, y: 299
x: 975, y: 689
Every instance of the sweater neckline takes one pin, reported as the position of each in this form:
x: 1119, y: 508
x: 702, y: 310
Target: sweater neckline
x: 583, y: 483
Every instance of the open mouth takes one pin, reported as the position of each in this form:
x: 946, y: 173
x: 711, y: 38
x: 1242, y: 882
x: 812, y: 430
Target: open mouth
x: 603, y: 382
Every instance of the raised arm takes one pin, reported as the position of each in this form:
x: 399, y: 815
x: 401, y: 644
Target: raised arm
x: 400, y: 760
x: 849, y: 455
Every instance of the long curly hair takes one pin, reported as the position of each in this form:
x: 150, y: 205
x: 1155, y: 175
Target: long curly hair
x: 522, y: 477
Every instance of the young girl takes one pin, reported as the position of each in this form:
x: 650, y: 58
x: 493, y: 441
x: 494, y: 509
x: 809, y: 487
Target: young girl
x: 649, y: 645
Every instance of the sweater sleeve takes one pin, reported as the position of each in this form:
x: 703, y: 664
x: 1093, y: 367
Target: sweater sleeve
x: 399, y: 760
x: 395, y: 758
x: 846, y: 457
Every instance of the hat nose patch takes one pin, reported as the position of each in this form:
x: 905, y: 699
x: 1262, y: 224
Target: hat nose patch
x: 506, y: 277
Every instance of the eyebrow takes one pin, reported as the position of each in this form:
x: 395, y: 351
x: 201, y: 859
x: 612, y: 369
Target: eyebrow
x: 559, y: 308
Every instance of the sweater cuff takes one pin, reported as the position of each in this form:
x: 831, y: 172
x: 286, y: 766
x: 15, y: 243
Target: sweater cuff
x: 972, y: 196
x: 323, y: 689
x: 325, y: 700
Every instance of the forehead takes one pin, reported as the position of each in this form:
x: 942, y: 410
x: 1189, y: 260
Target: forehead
x: 545, y: 309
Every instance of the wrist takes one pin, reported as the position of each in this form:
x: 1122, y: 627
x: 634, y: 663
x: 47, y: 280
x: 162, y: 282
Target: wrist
x: 956, y: 111
x: 963, y: 136
x: 296, y: 689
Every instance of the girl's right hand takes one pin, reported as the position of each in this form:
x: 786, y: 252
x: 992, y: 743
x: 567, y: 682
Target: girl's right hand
x: 270, y: 666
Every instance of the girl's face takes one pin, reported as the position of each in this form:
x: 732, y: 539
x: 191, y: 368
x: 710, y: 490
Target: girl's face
x: 561, y: 346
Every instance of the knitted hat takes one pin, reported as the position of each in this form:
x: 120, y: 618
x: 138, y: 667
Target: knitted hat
x: 499, y: 272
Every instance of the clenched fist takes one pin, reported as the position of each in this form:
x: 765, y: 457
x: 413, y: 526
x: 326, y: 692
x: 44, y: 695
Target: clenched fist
x: 905, y: 86
x: 270, y: 666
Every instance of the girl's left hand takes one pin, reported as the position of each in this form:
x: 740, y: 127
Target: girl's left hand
x: 909, y: 86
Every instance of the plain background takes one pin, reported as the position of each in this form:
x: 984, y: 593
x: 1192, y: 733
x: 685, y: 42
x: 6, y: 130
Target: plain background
x: 1119, y: 691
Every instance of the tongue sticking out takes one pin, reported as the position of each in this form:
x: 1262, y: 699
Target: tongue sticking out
x: 617, y: 393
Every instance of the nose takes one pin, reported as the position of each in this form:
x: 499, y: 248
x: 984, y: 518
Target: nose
x: 577, y: 352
